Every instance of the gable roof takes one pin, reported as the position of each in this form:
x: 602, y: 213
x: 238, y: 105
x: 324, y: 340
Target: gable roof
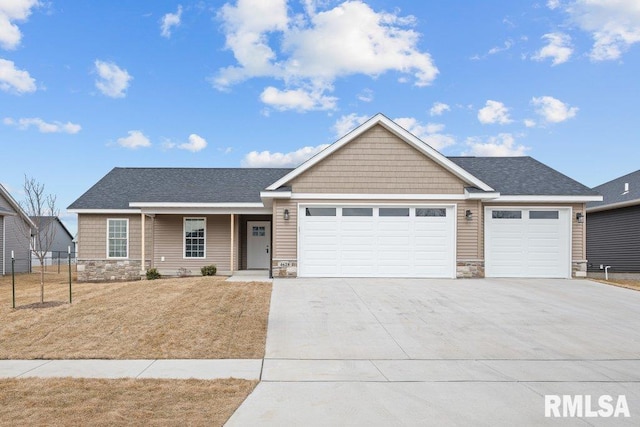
x: 122, y: 186
x: 614, y: 195
x: 15, y: 205
x: 45, y: 220
x: 400, y: 132
x: 522, y: 176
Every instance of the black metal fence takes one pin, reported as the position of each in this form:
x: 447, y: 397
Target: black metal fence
x: 53, y: 261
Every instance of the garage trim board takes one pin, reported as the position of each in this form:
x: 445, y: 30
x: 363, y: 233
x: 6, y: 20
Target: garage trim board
x: 377, y: 240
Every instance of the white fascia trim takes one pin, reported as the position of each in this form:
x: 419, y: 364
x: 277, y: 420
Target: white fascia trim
x: 399, y: 131
x: 207, y: 211
x: 193, y: 205
x: 614, y: 206
x: 360, y: 196
x: 275, y: 194
x: 104, y: 211
x: 550, y: 199
x: 16, y: 206
x: 481, y: 196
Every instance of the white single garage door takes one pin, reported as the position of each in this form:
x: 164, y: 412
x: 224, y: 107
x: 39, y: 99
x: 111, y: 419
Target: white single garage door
x: 376, y: 241
x: 528, y: 242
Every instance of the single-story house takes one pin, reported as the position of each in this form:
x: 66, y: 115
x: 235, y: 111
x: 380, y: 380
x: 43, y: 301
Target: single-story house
x: 378, y: 202
x: 52, y: 232
x: 613, y: 229
x: 15, y: 231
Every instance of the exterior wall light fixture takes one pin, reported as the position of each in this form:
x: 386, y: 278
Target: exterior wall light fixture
x: 468, y: 215
x: 580, y: 217
x: 286, y: 214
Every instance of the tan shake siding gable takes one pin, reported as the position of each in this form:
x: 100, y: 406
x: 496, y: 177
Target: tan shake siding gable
x: 377, y: 162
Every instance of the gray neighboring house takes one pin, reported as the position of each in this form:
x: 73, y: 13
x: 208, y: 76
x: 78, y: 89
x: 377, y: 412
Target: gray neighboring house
x: 613, y: 228
x: 62, y: 242
x: 12, y: 221
x: 379, y: 202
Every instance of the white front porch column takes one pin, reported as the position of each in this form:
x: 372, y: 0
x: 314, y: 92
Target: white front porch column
x: 143, y: 265
x: 232, y: 243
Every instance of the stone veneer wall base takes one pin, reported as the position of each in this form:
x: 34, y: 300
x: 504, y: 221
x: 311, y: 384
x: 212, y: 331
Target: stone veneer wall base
x: 101, y: 270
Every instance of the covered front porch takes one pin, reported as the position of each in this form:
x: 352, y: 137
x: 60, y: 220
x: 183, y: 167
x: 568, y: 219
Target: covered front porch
x: 181, y: 243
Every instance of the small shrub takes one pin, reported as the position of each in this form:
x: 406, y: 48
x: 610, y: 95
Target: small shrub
x: 153, y: 274
x: 209, y: 270
x: 183, y: 272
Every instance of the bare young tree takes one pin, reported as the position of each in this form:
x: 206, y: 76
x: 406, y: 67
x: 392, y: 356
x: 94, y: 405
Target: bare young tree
x: 42, y: 210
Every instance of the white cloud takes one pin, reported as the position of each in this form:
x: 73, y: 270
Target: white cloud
x: 10, y: 12
x: 297, y: 99
x: 429, y: 133
x: 318, y: 46
x: 43, y: 127
x: 136, y: 139
x: 553, y: 110
x: 508, y: 44
x: 169, y: 21
x: 15, y: 80
x: 494, y: 112
x: 196, y: 143
x: 438, y: 108
x: 346, y: 124
x: 502, y: 145
x: 559, y: 48
x: 553, y: 4
x: 613, y: 24
x: 267, y: 159
x: 529, y: 123
x: 113, y: 81
x: 366, y: 95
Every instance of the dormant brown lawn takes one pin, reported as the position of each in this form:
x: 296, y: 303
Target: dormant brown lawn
x: 81, y: 402
x: 181, y: 318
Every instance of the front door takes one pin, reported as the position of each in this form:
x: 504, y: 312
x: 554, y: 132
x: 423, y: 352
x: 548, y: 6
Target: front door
x: 258, y: 244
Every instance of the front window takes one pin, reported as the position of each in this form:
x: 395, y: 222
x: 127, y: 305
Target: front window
x: 194, y: 237
x: 117, y: 238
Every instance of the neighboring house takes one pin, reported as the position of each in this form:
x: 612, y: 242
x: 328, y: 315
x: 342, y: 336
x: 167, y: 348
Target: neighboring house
x: 379, y: 202
x: 13, y: 223
x: 613, y: 228
x: 62, y: 240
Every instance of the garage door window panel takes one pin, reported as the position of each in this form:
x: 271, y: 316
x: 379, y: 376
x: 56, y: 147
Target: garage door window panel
x: 357, y: 211
x: 320, y: 212
x: 431, y: 212
x: 393, y: 212
x: 506, y: 214
x: 543, y: 214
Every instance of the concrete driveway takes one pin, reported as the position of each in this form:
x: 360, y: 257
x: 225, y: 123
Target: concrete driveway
x: 442, y: 352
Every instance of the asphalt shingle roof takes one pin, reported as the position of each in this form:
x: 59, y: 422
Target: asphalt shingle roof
x: 507, y: 175
x: 613, y: 191
x: 522, y: 176
x: 178, y: 185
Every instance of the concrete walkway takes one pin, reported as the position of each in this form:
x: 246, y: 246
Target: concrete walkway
x: 249, y: 369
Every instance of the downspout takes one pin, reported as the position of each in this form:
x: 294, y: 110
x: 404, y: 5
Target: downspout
x: 606, y: 272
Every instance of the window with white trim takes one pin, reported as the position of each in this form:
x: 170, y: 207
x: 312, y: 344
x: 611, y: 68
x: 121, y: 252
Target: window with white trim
x: 195, y: 237
x: 117, y: 238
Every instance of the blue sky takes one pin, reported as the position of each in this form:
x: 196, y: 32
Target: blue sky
x: 89, y: 85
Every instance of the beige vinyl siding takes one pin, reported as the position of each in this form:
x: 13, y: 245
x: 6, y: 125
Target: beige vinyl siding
x: 578, y: 231
x: 285, y: 236
x: 468, y: 245
x: 169, y: 243
x: 92, y: 236
x: 377, y: 162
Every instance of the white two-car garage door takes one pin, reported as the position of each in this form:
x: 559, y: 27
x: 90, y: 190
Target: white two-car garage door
x: 528, y: 242
x: 376, y: 241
